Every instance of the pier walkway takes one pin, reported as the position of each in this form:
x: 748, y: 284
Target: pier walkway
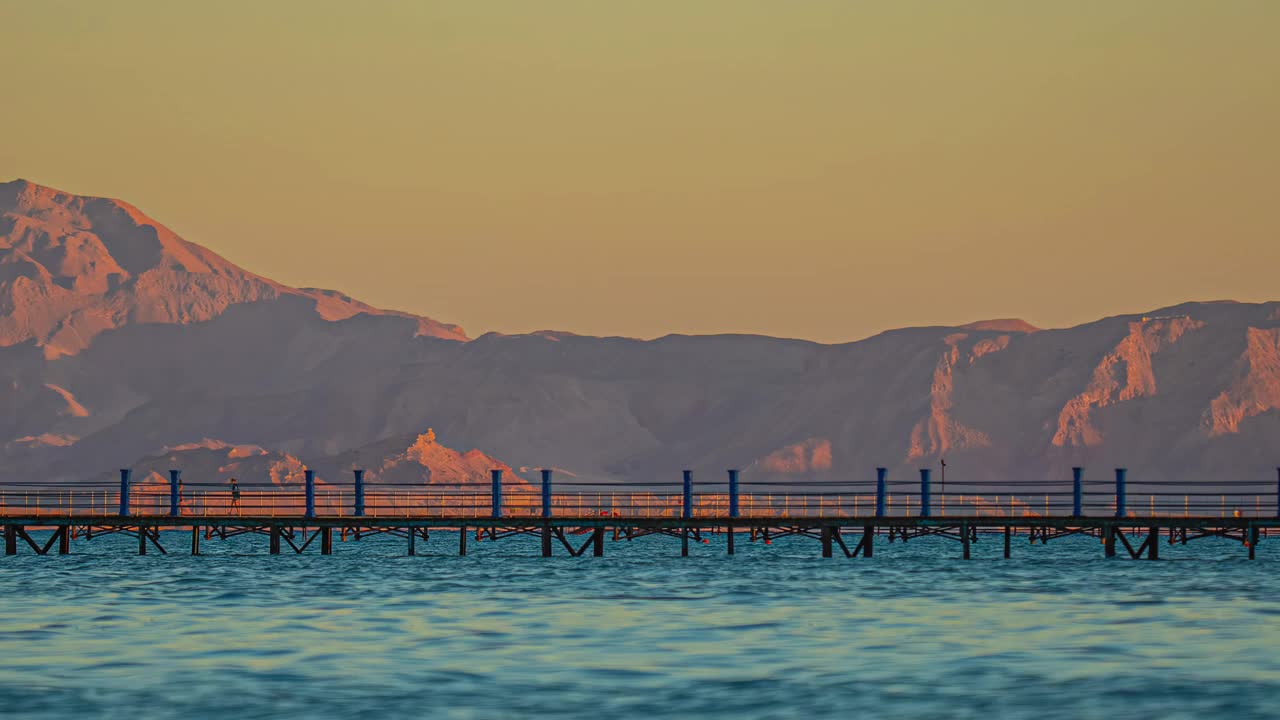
x: 1129, y: 518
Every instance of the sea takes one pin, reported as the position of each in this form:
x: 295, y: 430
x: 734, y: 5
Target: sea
x: 775, y: 631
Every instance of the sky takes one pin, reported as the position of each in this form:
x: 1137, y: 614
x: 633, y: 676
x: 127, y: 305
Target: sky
x: 823, y: 169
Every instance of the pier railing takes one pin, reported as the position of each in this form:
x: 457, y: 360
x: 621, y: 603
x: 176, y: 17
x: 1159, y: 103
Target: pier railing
x: 1119, y: 496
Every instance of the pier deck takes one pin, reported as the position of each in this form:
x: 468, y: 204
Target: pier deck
x: 849, y: 517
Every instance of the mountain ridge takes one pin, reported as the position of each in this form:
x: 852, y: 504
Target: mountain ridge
x: 73, y: 266
x: 120, y: 339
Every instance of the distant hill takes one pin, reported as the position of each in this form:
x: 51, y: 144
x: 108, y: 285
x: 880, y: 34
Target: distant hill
x: 119, y: 340
x: 73, y: 267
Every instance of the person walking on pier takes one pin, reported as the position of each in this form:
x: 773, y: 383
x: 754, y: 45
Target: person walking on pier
x: 235, y: 496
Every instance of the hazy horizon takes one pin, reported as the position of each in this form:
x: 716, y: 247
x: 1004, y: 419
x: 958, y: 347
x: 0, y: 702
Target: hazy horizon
x: 822, y: 171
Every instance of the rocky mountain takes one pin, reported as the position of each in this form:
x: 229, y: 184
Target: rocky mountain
x: 118, y: 340
x: 73, y: 267
x: 391, y: 465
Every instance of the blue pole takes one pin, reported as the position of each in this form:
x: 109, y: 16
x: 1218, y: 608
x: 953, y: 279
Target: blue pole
x: 880, y: 490
x: 124, y: 491
x: 924, y: 492
x: 310, y: 475
x: 546, y: 493
x: 686, y: 510
x: 359, y: 509
x: 175, y: 476
x: 497, y: 493
x: 733, y: 493
x: 1120, y: 509
x: 1077, y: 492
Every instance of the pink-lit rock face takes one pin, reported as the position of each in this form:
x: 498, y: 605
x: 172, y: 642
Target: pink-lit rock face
x: 421, y: 459
x: 1125, y: 373
x: 72, y: 267
x: 807, y: 456
x: 939, y: 431
x: 1255, y: 388
x: 209, y: 464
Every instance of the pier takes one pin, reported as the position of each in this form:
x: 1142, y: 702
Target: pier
x: 1129, y: 517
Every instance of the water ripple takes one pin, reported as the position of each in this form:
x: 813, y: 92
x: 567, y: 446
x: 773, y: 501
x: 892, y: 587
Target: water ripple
x: 1056, y: 632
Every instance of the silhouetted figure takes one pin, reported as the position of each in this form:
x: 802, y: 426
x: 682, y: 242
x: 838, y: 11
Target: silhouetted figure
x: 235, y: 496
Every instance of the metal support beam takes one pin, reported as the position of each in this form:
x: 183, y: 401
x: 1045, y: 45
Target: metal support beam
x: 195, y: 539
x: 1120, y: 493
x: 124, y: 491
x: 142, y: 540
x: 684, y: 541
x: 964, y: 538
x: 413, y: 541
x: 826, y: 541
x: 175, y: 498
x: 1077, y: 492
x: 546, y: 499
x: 496, y: 476
x: 925, y: 505
x: 1008, y: 542
x: 728, y: 530
x: 686, y: 505
x: 462, y: 540
x: 358, y: 511
x: 881, y: 490
x: 733, y: 494
x: 64, y: 540
x: 326, y: 541
x: 597, y: 543
x: 10, y: 540
x: 1153, y: 543
x: 310, y: 479
x: 546, y: 539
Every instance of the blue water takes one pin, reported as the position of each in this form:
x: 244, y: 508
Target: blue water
x: 775, y: 632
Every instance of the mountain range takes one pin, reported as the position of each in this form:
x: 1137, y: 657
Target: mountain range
x: 121, y: 344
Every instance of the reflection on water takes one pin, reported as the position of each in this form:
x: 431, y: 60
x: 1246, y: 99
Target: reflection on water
x: 774, y: 632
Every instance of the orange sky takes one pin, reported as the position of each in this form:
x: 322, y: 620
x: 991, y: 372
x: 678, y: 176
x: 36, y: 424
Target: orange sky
x: 822, y: 169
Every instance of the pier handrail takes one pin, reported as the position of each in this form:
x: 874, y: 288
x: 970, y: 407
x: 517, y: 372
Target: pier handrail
x: 732, y: 495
